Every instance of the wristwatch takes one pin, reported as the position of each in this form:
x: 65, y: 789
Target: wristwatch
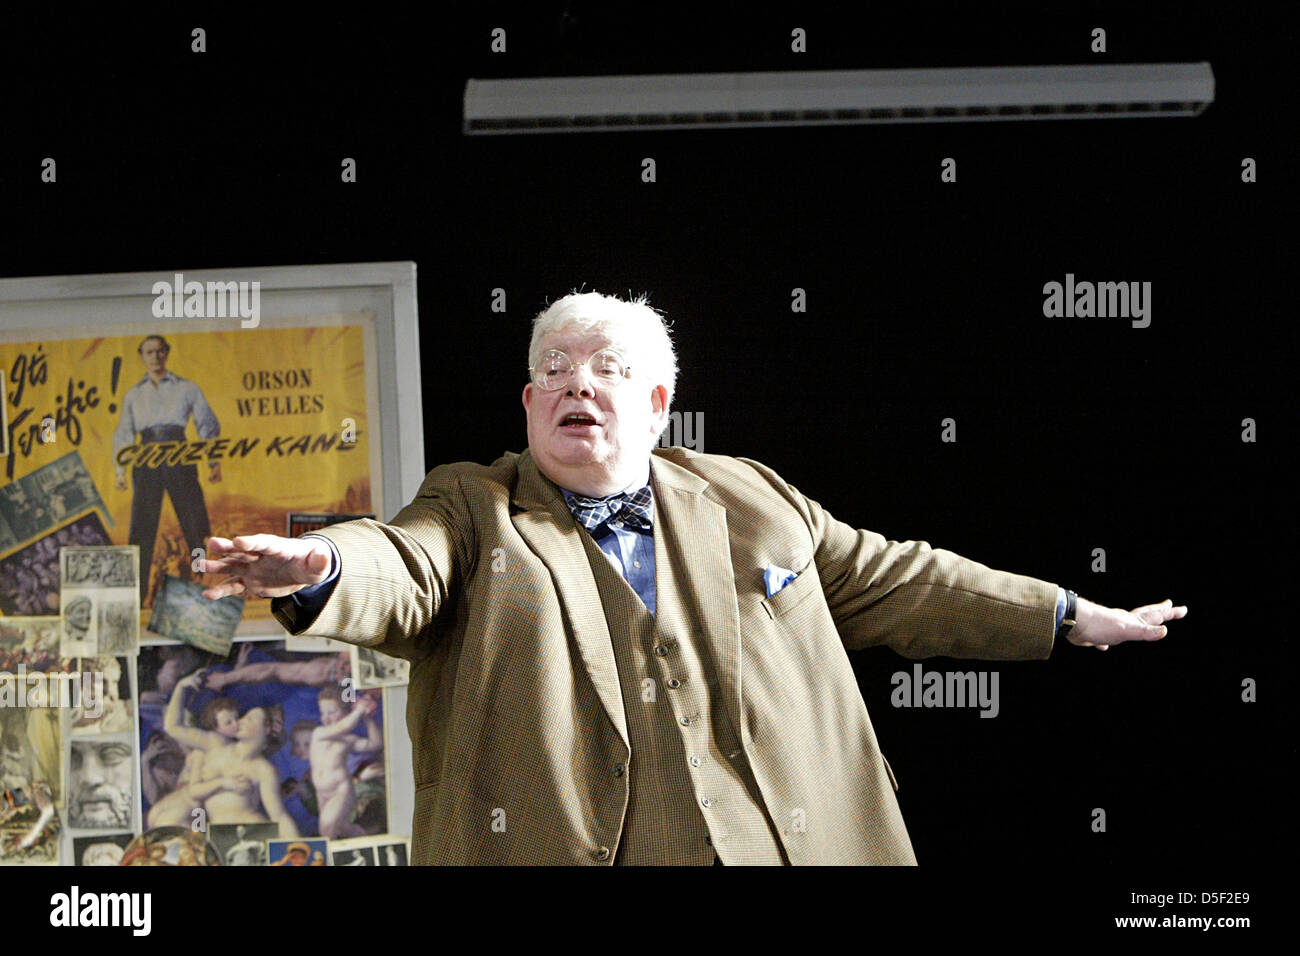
x: 1071, y: 608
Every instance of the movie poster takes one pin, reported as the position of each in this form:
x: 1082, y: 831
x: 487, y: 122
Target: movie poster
x: 265, y: 735
x: 176, y: 430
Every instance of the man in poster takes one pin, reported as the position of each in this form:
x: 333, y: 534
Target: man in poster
x: 158, y: 408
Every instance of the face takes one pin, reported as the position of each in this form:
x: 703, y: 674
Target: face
x: 227, y: 723
x: 252, y: 725
x: 610, y: 448
x: 154, y: 355
x: 165, y: 761
x: 331, y: 711
x: 100, y: 790
x: 79, y: 614
x: 302, y: 745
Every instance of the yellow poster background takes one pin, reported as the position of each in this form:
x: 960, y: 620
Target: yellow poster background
x: 286, y: 399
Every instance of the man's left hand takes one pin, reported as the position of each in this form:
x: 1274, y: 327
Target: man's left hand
x: 1101, y: 627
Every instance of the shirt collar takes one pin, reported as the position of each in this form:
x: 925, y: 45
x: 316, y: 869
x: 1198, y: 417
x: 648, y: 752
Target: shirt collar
x: 168, y: 376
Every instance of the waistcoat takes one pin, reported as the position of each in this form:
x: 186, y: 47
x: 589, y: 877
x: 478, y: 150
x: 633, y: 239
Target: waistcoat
x: 691, y: 790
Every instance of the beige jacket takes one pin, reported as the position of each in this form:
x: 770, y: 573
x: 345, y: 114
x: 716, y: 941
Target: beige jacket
x: 515, y: 710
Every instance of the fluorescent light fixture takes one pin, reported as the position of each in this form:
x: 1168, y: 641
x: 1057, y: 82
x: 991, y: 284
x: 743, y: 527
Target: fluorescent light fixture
x: 704, y: 100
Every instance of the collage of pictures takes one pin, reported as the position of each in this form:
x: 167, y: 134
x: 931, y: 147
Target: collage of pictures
x: 163, y: 753
x: 140, y: 723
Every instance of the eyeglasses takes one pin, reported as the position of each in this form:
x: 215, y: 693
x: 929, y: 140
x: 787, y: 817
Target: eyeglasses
x: 555, y: 369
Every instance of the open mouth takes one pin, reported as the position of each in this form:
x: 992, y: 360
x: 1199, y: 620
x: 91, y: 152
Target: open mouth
x: 578, y: 422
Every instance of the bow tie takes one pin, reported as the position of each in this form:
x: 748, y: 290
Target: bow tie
x: 634, y: 510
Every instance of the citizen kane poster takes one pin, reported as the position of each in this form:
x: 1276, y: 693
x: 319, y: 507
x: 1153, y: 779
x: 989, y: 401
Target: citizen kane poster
x: 168, y: 433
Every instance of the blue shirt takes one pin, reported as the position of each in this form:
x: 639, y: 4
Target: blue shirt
x: 631, y: 551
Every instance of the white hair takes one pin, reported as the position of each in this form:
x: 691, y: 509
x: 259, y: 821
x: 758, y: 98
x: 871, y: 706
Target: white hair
x: 639, y: 331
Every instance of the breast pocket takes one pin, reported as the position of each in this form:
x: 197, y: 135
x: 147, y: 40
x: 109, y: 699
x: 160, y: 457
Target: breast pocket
x: 793, y: 594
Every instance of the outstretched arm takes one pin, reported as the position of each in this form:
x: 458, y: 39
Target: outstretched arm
x: 923, y: 601
x: 344, y: 725
x: 313, y: 673
x: 398, y: 578
x: 1100, y: 626
x: 265, y: 565
x: 189, y: 736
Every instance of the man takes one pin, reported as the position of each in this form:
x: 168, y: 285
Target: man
x: 637, y: 655
x: 78, y: 617
x: 158, y: 407
x: 99, y: 791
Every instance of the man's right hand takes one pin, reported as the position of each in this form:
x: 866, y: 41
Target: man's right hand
x: 265, y: 565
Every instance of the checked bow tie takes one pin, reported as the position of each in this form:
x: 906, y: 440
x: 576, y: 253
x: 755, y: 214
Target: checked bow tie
x: 634, y: 510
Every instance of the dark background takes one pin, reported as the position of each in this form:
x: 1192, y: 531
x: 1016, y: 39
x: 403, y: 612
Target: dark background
x: 924, y: 302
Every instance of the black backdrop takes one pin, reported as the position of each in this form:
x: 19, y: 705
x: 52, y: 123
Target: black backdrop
x: 924, y: 302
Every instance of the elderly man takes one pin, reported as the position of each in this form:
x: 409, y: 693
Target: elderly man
x: 624, y: 654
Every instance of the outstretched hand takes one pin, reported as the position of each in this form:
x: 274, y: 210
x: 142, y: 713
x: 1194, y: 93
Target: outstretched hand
x: 1101, y: 627
x: 265, y: 565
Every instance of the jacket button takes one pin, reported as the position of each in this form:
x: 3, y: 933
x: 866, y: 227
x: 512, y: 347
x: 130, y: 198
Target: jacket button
x: 619, y: 770
x: 602, y: 854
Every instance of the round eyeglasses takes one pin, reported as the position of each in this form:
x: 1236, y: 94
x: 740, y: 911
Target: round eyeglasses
x: 555, y: 369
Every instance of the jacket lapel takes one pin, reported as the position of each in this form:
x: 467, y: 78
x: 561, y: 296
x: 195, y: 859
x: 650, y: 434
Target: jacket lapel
x: 546, y: 523
x: 695, y: 585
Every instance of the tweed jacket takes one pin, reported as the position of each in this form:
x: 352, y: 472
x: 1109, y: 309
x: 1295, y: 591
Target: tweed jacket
x: 514, y: 709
